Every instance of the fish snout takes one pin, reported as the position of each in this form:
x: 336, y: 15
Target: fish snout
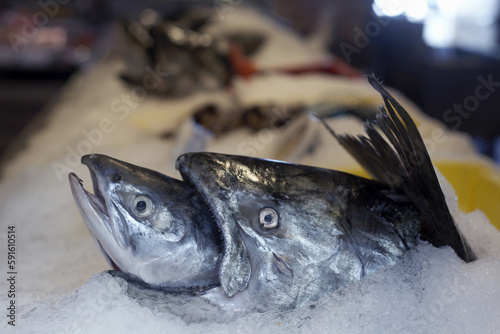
x: 187, y: 165
x: 180, y: 162
x: 185, y: 162
x: 96, y: 162
x: 103, y: 171
x: 201, y: 162
x: 106, y: 167
x: 201, y: 169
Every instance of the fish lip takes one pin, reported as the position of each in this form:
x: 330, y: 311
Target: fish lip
x: 97, y: 191
x: 99, y: 168
x: 92, y: 164
x: 98, y: 203
x: 179, y: 163
x: 96, y: 200
x: 235, y: 255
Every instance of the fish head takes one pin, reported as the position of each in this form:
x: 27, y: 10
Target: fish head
x: 281, y: 225
x: 150, y: 226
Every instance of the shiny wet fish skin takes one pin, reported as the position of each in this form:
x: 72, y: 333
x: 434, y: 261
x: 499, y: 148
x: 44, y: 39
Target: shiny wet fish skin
x: 293, y: 234
x: 296, y: 233
x: 148, y: 225
x: 403, y: 163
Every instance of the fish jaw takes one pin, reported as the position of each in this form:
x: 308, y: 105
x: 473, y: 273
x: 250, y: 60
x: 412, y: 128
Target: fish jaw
x: 173, y: 247
x: 103, y: 184
x: 235, y: 268
x: 94, y: 213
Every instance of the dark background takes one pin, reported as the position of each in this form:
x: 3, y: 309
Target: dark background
x: 435, y: 79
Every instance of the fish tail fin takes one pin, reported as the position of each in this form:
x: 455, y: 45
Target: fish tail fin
x: 403, y: 163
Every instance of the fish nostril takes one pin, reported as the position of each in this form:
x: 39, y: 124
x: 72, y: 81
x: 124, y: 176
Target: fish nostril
x: 116, y: 177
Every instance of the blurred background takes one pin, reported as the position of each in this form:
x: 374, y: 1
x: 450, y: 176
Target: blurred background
x: 443, y: 54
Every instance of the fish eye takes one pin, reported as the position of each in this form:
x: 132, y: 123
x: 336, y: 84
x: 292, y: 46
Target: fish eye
x: 268, y: 218
x: 142, y: 206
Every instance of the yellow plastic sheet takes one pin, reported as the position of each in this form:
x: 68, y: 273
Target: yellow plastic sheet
x: 476, y: 184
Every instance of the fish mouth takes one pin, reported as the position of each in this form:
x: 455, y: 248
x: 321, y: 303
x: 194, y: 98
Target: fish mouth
x: 184, y: 165
x: 96, y: 200
x: 92, y: 208
x: 235, y: 268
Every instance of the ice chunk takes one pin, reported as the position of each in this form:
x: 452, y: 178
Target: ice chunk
x: 430, y: 290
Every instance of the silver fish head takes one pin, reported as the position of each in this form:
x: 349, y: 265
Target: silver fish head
x: 288, y: 236
x: 150, y: 226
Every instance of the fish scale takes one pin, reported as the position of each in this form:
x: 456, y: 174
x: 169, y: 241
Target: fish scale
x: 331, y: 228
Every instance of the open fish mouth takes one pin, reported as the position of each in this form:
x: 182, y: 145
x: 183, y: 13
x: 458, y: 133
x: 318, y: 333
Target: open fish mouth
x: 93, y: 209
x: 84, y: 198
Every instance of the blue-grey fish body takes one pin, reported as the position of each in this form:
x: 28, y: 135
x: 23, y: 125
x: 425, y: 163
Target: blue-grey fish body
x: 150, y: 226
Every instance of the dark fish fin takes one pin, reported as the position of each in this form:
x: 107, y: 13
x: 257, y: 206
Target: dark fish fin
x: 403, y: 163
